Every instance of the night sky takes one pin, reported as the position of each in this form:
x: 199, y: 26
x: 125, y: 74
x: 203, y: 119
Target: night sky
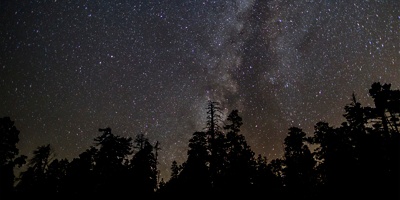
x: 68, y: 68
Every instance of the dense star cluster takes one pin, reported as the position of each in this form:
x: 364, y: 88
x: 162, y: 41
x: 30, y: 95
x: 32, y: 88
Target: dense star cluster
x: 68, y: 68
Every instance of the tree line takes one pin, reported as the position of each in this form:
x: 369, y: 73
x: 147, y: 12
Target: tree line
x: 358, y: 159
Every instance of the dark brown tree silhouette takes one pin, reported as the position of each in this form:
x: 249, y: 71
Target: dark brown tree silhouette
x: 143, y: 168
x: 298, y: 171
x: 9, y: 137
x: 239, y: 164
x: 34, y: 181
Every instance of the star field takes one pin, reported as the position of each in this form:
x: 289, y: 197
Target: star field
x: 68, y: 68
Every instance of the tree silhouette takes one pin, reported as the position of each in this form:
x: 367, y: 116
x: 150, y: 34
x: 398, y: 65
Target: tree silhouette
x: 238, y: 164
x: 110, y: 162
x: 265, y: 181
x: 215, y: 138
x: 156, y: 149
x: 387, y: 102
x: 56, y: 176
x: 335, y: 155
x: 173, y: 186
x: 356, y: 115
x: 299, y: 165
x: 143, y: 167
x: 175, y: 170
x: 379, y: 155
x: 34, y: 180
x: 81, y: 179
x: 195, y: 177
x: 358, y: 159
x: 9, y: 137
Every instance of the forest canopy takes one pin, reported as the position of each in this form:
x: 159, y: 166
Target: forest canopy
x: 358, y: 159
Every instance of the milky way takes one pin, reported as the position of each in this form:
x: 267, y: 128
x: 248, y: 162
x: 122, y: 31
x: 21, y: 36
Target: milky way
x: 68, y: 68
